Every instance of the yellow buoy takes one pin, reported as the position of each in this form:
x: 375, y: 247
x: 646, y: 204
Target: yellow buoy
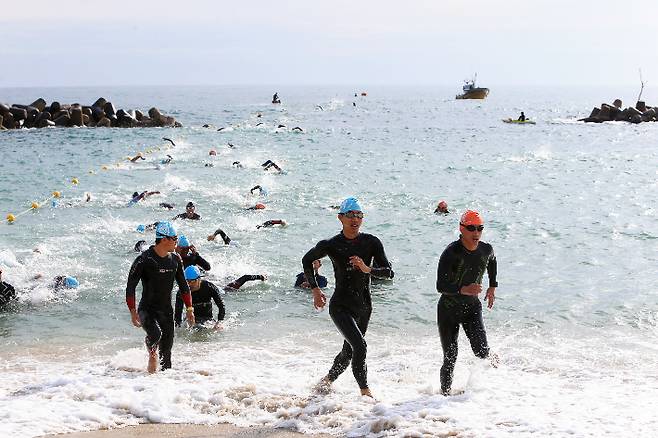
x: 57, y: 194
x: 35, y: 205
x: 75, y: 181
x: 11, y: 218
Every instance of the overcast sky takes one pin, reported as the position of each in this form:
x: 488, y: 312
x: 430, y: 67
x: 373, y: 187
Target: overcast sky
x: 297, y: 42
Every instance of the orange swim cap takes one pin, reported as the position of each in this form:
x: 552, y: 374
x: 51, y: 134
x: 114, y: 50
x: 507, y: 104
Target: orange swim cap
x: 443, y: 204
x: 471, y: 217
x: 260, y: 206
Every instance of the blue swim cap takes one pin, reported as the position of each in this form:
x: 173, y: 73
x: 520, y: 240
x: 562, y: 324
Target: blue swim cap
x: 71, y: 282
x: 350, y: 204
x: 182, y: 241
x: 141, y: 228
x: 165, y: 229
x: 192, y: 273
x: 54, y: 203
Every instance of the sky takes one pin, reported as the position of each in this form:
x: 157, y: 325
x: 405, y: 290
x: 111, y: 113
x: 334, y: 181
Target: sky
x: 309, y: 42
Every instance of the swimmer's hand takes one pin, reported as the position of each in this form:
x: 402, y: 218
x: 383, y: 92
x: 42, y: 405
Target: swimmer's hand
x: 135, y: 318
x: 211, y: 237
x: 490, y: 297
x: 358, y: 263
x: 472, y: 289
x: 319, y: 299
x: 190, y: 317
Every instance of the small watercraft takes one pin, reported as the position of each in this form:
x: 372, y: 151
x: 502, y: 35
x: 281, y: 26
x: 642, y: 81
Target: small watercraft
x: 470, y: 91
x: 520, y: 122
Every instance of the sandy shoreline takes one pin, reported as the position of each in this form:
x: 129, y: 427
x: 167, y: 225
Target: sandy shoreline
x: 189, y: 431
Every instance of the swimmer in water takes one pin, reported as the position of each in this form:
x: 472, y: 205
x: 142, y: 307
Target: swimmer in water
x: 459, y: 277
x: 237, y: 164
x: 321, y: 280
x: 141, y: 196
x: 442, y: 208
x: 351, y: 253
x: 271, y: 223
x: 203, y: 293
x: 269, y: 164
x: 190, y: 213
x: 258, y: 206
x: 7, y: 292
x: 137, y: 157
x: 261, y: 190
x: 190, y: 255
x: 169, y: 140
x: 225, y: 238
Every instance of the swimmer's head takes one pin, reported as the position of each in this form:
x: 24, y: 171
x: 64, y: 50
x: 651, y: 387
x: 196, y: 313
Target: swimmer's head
x: 317, y: 264
x: 212, y: 152
x: 192, y: 273
x: 71, y: 282
x: 190, y: 207
x: 350, y: 204
x: 139, y: 246
x: 442, y: 207
x: 260, y: 206
x: 165, y: 229
x: 135, y: 194
x: 183, y: 242
x: 471, y: 217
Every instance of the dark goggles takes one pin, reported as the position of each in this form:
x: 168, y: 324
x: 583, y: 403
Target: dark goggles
x: 353, y: 214
x: 473, y: 227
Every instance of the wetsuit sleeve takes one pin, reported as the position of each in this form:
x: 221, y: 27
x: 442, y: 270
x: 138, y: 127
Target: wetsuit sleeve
x: 445, y: 282
x: 203, y: 263
x: 315, y: 253
x: 186, y: 295
x: 134, y: 276
x: 178, y: 311
x: 221, y: 311
x: 384, y: 268
x: 492, y: 269
x: 225, y: 238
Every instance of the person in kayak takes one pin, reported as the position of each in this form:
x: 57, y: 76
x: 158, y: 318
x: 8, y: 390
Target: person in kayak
x: 521, y: 117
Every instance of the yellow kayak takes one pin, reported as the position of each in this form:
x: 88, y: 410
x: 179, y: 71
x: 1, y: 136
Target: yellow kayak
x: 520, y: 122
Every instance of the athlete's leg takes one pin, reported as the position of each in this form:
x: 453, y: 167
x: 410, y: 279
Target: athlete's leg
x: 474, y: 329
x: 166, y: 322
x: 152, y: 339
x: 448, y: 332
x: 354, y: 347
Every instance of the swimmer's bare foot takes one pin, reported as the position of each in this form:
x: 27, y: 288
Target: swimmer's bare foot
x: 153, y: 362
x: 366, y: 392
x: 323, y: 386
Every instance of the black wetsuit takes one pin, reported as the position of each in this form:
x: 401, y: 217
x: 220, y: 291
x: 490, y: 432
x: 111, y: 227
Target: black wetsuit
x: 237, y: 284
x: 321, y: 280
x: 195, y: 217
x: 460, y: 267
x: 202, y: 303
x: 194, y: 259
x: 225, y: 238
x: 155, y: 313
x: 350, y: 305
x: 7, y: 293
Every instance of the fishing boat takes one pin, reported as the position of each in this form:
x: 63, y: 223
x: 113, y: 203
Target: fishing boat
x: 470, y: 91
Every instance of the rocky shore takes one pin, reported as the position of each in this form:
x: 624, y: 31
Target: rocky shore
x: 101, y: 113
x: 614, y: 113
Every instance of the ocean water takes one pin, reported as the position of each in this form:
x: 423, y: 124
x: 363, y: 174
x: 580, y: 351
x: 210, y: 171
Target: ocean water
x: 570, y: 210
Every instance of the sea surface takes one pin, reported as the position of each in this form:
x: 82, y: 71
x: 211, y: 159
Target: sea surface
x: 570, y: 209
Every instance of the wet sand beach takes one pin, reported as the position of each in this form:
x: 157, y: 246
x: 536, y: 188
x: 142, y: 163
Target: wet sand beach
x: 190, y: 431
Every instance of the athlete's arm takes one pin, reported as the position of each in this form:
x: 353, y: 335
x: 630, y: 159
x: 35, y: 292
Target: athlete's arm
x: 203, y: 263
x: 384, y: 268
x: 178, y: 312
x: 492, y: 271
x: 185, y: 293
x: 134, y: 275
x: 315, y: 253
x: 446, y: 283
x: 221, y: 310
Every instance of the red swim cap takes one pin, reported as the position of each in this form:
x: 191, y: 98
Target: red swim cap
x: 443, y: 204
x: 471, y: 217
x: 260, y: 206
